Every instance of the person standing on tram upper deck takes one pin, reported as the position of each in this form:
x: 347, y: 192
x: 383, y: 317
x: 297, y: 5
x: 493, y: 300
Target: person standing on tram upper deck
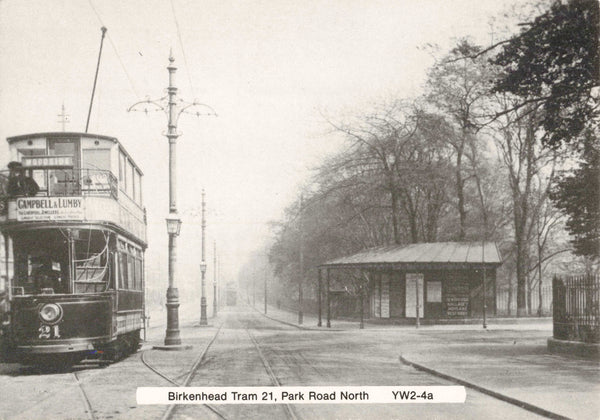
x: 18, y: 183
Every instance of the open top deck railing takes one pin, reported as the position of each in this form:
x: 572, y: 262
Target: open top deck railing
x: 63, y: 182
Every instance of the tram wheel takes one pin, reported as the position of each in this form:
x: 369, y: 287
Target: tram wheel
x: 135, y: 342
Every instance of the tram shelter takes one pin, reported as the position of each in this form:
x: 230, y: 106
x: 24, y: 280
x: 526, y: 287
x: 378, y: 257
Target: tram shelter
x: 439, y: 282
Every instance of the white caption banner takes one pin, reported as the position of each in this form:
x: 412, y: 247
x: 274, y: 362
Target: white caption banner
x: 302, y: 395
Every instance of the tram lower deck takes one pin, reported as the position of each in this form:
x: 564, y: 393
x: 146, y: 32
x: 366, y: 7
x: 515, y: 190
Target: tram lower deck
x: 76, y: 293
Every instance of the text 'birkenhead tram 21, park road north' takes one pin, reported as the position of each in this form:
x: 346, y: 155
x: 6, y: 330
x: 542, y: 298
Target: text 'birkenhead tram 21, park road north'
x: 302, y: 395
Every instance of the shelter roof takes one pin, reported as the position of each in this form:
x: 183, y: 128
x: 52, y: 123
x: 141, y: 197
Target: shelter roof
x: 425, y: 253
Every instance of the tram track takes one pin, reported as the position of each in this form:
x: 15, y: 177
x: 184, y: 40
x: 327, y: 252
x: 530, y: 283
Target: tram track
x: 269, y: 369
x: 84, y: 397
x: 172, y: 410
x: 64, y: 391
x: 190, y: 374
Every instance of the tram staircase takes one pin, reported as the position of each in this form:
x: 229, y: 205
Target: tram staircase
x: 91, y: 273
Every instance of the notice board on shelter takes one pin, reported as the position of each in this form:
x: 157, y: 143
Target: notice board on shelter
x: 456, y: 302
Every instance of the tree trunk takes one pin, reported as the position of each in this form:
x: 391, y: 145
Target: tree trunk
x: 540, y: 304
x: 521, y: 276
x: 510, y: 294
x: 395, y: 214
x: 529, y: 294
x: 460, y: 194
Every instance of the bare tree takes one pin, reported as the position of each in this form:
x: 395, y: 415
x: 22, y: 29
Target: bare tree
x: 458, y: 86
x: 523, y: 157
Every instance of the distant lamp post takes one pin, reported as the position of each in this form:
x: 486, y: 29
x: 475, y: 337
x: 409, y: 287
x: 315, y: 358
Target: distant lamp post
x: 203, y: 318
x: 301, y: 257
x: 215, y: 279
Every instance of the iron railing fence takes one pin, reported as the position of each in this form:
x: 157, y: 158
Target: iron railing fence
x: 576, y: 308
x: 507, y: 305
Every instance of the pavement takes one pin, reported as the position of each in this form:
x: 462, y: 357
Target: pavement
x: 509, y: 361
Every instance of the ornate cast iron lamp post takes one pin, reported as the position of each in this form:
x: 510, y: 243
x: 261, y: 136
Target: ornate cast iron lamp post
x: 173, y: 109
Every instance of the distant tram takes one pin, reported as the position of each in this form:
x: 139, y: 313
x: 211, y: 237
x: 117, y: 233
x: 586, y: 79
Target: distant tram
x: 231, y: 294
x: 73, y: 236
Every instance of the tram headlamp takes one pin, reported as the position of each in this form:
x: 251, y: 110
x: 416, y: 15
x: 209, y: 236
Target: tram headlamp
x: 50, y: 313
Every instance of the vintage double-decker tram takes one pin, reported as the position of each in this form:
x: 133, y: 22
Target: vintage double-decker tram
x: 73, y: 236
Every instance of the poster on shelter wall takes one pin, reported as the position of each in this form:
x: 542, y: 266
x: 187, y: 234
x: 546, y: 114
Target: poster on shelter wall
x: 49, y: 208
x: 414, y: 294
x: 385, y: 296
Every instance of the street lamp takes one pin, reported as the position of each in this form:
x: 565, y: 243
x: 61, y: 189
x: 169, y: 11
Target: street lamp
x: 173, y: 224
x: 173, y: 109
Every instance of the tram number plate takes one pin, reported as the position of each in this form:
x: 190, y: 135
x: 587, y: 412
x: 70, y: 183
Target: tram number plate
x: 49, y: 331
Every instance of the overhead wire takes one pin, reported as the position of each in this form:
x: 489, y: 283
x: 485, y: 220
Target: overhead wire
x: 187, y: 67
x: 129, y: 79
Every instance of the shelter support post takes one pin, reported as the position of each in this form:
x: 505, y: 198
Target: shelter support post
x: 362, y: 307
x: 319, y: 324
x: 484, y: 301
x: 495, y: 298
x: 328, y: 301
x: 417, y: 302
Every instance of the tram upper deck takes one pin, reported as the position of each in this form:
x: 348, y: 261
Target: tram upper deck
x: 79, y: 178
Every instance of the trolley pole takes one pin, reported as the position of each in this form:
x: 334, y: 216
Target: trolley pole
x: 173, y: 112
x: 203, y: 320
x: 87, y: 124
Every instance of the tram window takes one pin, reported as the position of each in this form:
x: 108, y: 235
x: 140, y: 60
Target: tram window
x: 123, y: 280
x: 30, y: 152
x: 137, y: 187
x: 122, y: 175
x: 130, y: 273
x: 63, y: 147
x: 130, y: 267
x: 38, y: 175
x: 129, y: 184
x: 96, y: 159
x: 138, y: 273
x: 40, y: 261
